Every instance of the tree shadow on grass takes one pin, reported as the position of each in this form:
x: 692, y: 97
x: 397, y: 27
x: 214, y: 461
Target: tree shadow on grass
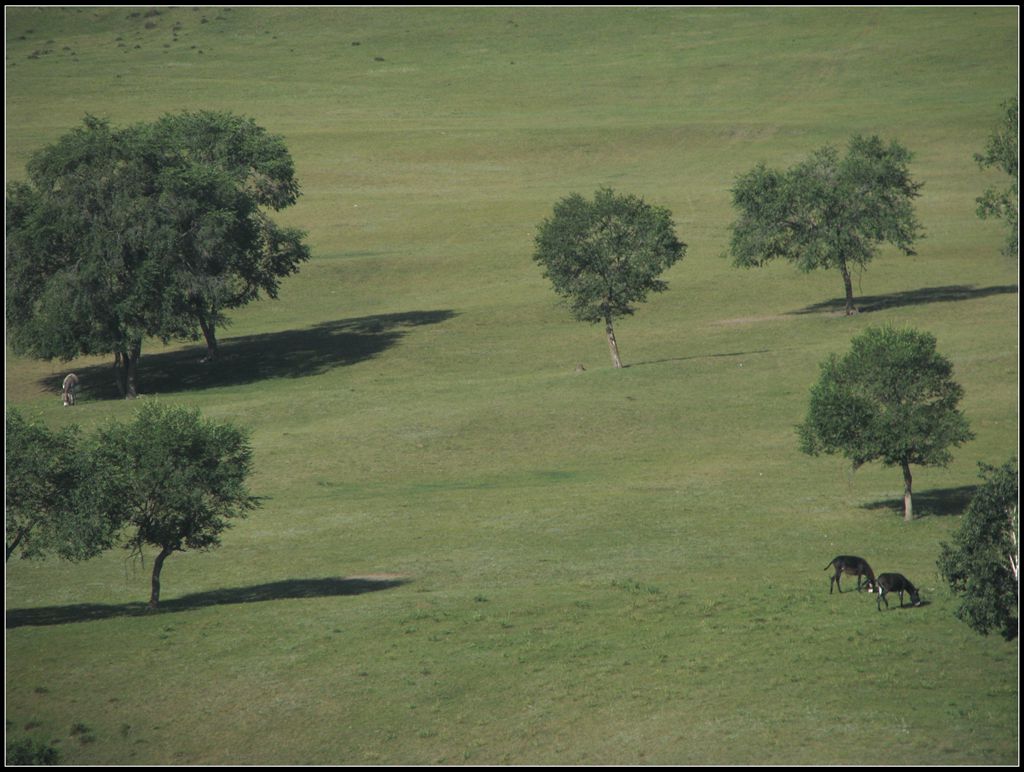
x: 251, y: 358
x: 698, y: 356
x: 287, y: 589
x: 907, y: 605
x: 939, y: 502
x: 871, y: 303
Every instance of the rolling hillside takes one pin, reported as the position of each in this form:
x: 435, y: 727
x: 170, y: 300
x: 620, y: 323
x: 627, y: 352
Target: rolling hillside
x: 469, y: 552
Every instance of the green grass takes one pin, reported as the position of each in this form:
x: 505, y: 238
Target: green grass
x: 469, y: 553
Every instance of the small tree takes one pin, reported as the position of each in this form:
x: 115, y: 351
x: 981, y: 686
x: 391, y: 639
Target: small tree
x: 982, y: 566
x: 185, y: 480
x: 827, y: 212
x: 56, y: 499
x: 605, y: 255
x: 1001, y: 153
x: 892, y: 399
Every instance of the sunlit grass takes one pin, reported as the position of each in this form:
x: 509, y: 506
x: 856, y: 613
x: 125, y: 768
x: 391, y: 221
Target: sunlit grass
x: 469, y: 552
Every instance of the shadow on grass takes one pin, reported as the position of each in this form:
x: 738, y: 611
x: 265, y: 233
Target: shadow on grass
x: 287, y: 589
x: 251, y: 358
x: 698, y: 356
x: 870, y: 303
x: 907, y: 605
x: 940, y: 502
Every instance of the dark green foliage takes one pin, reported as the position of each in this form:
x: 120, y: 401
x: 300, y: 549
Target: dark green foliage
x: 892, y: 399
x: 169, y: 479
x: 26, y: 752
x: 604, y: 256
x: 1001, y: 153
x: 827, y: 211
x: 57, y: 498
x: 982, y: 565
x: 217, y: 172
x: 185, y: 479
x: 152, y: 230
x: 79, y: 277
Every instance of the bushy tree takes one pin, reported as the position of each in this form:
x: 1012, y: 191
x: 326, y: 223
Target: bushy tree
x: 828, y: 211
x: 80, y: 275
x: 217, y: 176
x: 982, y: 566
x: 153, y: 230
x: 57, y: 499
x: 893, y: 399
x: 605, y: 255
x: 1001, y: 153
x: 184, y: 480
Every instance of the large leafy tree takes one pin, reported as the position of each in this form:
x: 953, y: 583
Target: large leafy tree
x: 1001, y: 153
x: 218, y: 174
x: 605, y: 255
x: 81, y: 278
x: 891, y: 398
x: 183, y: 478
x: 57, y: 498
x: 828, y: 211
x: 148, y: 231
x: 982, y: 566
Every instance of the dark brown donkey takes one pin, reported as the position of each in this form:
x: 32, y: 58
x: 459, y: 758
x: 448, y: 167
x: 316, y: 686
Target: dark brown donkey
x: 854, y: 566
x: 896, y: 583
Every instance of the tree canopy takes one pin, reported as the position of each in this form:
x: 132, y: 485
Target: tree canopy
x: 56, y: 498
x: 218, y: 173
x: 1001, y: 153
x: 153, y: 230
x: 982, y: 566
x: 604, y: 256
x: 893, y: 399
x: 79, y: 275
x: 827, y: 211
x: 183, y: 480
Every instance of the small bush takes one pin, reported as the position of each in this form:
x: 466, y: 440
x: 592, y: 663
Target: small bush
x: 28, y: 752
x: 83, y: 733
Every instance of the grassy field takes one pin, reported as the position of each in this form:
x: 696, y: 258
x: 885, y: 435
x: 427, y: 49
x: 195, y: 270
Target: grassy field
x: 469, y: 553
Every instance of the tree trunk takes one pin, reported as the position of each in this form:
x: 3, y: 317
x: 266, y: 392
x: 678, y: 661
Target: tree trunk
x: 908, y: 505
x: 848, y: 285
x: 210, y: 333
x: 1014, y: 549
x: 613, y: 347
x: 158, y: 564
x: 119, y: 373
x: 14, y: 545
x: 125, y: 366
x: 131, y: 363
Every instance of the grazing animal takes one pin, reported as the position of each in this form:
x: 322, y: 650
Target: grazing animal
x: 69, y: 389
x: 852, y: 565
x: 887, y: 583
